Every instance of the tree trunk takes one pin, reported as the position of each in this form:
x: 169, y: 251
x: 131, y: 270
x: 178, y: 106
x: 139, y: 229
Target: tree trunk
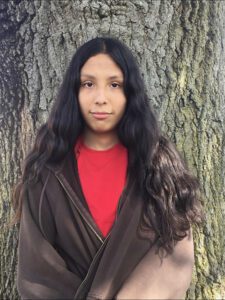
x: 180, y: 48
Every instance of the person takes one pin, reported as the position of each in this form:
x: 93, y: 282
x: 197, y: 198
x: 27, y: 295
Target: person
x: 105, y: 203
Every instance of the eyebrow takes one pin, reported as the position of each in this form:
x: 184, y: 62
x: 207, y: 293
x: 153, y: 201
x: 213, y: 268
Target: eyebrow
x: 110, y: 77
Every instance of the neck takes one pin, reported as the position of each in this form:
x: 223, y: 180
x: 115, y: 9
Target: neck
x: 99, y: 141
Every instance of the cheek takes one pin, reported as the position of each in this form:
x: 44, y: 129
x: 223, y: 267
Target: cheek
x: 82, y: 103
x: 123, y: 106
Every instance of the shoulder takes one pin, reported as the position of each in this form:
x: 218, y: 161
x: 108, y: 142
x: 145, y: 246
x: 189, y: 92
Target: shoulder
x: 36, y: 186
x: 47, y: 190
x: 49, y: 173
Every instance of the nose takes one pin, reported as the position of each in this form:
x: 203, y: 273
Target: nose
x: 100, y: 97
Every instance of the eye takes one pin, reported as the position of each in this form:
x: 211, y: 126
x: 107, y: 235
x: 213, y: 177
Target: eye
x: 87, y: 84
x: 115, y: 85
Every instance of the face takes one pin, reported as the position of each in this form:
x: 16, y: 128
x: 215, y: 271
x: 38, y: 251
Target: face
x: 101, y: 96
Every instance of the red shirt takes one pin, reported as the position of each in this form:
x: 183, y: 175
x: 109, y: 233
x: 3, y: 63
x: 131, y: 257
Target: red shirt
x: 103, y: 176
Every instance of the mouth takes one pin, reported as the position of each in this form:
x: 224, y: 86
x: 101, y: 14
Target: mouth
x: 100, y: 115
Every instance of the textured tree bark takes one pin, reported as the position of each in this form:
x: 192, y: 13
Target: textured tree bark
x: 180, y: 48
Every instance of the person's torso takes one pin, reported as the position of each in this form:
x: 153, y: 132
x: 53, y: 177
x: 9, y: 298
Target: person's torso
x: 102, y: 176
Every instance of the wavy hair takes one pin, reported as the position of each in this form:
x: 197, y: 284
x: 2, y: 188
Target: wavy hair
x: 169, y: 191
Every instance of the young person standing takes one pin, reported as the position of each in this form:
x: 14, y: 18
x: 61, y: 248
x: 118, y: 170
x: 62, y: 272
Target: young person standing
x: 105, y: 201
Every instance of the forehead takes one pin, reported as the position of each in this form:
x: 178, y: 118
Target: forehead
x: 101, y: 64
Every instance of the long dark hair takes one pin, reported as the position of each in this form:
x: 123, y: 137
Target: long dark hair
x: 169, y: 191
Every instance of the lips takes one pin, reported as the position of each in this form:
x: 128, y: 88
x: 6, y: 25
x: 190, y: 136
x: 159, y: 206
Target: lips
x: 100, y: 115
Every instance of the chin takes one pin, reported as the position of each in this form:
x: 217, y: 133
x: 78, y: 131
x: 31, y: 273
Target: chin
x: 102, y: 130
